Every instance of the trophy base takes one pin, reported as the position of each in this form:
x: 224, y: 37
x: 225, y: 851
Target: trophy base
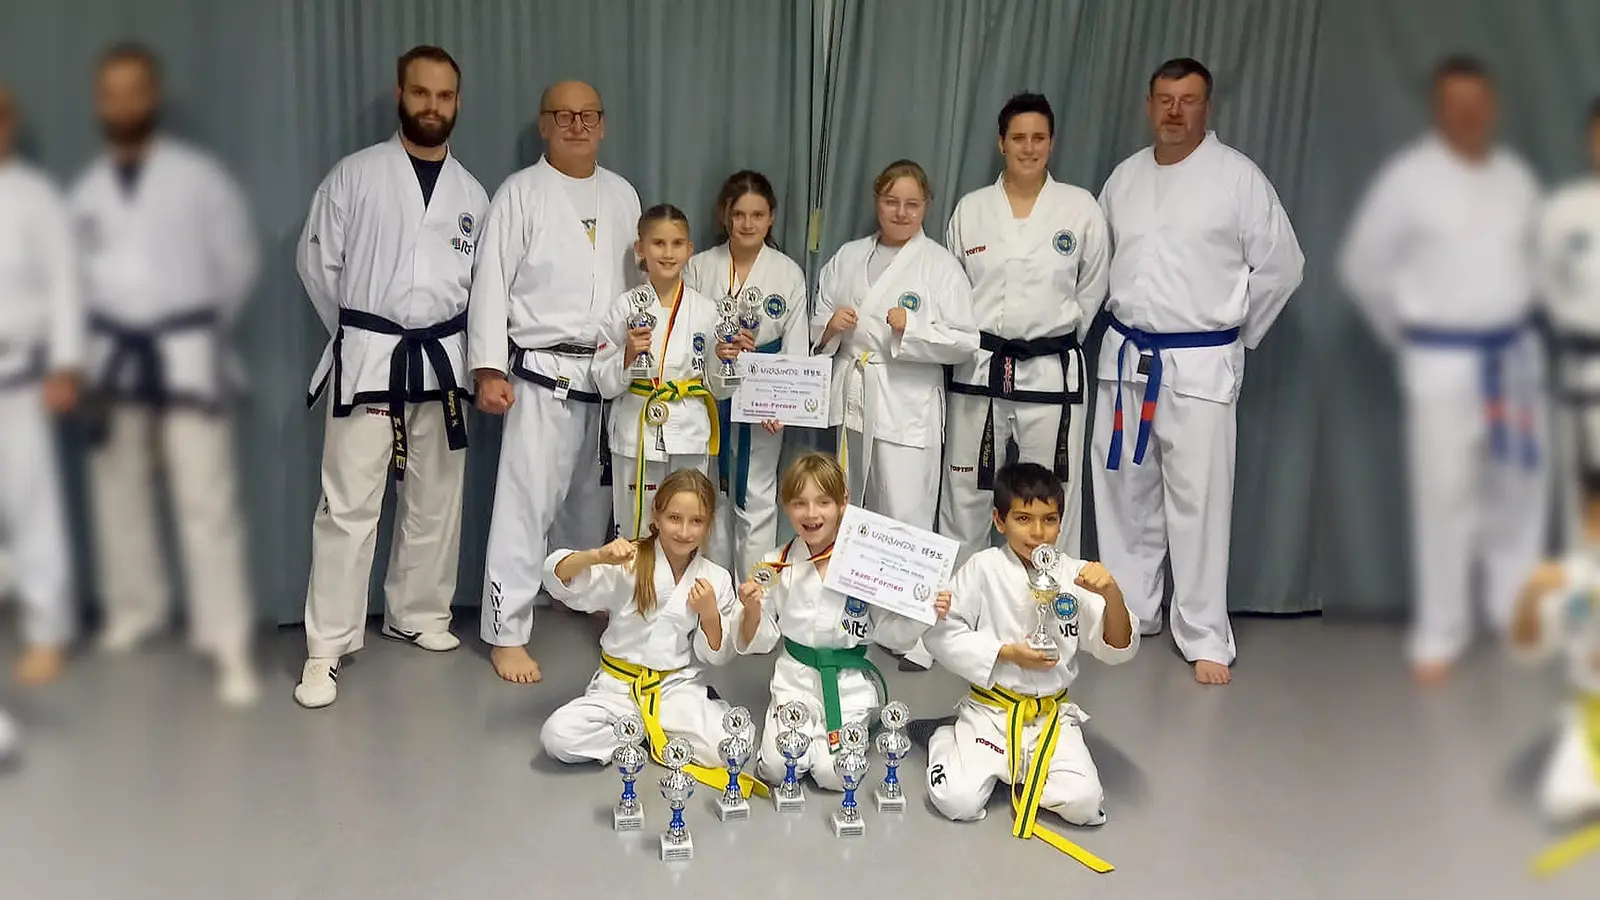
x: 848, y: 828
x: 633, y: 821
x: 794, y: 804
x: 677, y: 851
x: 731, y: 811
x: 886, y: 804
x: 1050, y: 650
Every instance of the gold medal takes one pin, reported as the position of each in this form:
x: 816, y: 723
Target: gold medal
x: 656, y: 413
x: 764, y: 575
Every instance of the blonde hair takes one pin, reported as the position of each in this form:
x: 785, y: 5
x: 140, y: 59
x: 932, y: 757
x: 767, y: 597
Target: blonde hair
x: 901, y: 168
x: 691, y: 481
x: 820, y: 469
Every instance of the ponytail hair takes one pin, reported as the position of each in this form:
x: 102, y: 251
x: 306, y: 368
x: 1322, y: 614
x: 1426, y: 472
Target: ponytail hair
x: 691, y: 481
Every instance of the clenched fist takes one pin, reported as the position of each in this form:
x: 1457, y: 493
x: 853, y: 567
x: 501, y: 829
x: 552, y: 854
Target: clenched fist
x: 494, y: 391
x: 703, y: 599
x: 941, y: 605
x: 617, y: 552
x: 1094, y: 577
x: 897, y: 319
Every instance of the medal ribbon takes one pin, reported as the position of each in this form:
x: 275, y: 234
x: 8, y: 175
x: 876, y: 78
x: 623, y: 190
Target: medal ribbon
x: 667, y: 392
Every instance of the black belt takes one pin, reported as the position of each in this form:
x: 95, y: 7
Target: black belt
x: 1004, y: 355
x: 406, y: 371
x: 545, y: 381
x: 30, y: 373
x: 134, y: 347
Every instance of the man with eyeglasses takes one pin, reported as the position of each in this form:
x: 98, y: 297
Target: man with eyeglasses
x: 43, y: 333
x: 1203, y: 260
x: 556, y: 251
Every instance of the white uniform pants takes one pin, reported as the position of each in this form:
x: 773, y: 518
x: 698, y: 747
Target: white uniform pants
x: 1571, y: 786
x: 1467, y: 508
x: 858, y: 701
x: 964, y: 510
x: 32, y: 518
x: 425, y: 549
x: 1179, y: 501
x: 581, y: 729
x: 547, y: 493
x: 966, y: 759
x: 194, y: 451
x: 754, y: 529
x: 624, y: 474
x: 902, y: 482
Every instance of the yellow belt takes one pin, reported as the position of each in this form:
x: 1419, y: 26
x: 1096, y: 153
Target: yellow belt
x: 668, y: 392
x: 1027, y: 789
x: 645, y: 685
x: 1586, y: 840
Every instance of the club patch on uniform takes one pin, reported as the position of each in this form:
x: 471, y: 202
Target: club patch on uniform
x: 991, y: 745
x: 854, y: 608
x: 1066, y: 606
x: 775, y: 306
x: 910, y: 301
x: 699, y: 342
x: 1065, y: 242
x: 466, y: 223
x: 973, y: 251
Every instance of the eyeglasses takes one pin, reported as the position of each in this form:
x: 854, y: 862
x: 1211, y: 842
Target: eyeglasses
x: 589, y: 117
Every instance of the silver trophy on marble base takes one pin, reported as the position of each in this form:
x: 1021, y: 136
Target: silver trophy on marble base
x: 851, y: 764
x: 727, y: 333
x: 628, y: 814
x: 750, y: 311
x: 793, y: 744
x: 676, y: 788
x: 642, y: 302
x: 894, y: 744
x: 1042, y: 585
x: 735, y: 750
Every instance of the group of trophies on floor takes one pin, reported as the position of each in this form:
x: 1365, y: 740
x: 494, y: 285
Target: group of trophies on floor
x: 851, y: 764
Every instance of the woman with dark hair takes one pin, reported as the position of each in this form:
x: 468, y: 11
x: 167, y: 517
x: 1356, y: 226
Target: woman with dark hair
x: 747, y: 265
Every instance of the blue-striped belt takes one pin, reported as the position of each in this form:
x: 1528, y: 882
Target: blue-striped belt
x: 1152, y: 343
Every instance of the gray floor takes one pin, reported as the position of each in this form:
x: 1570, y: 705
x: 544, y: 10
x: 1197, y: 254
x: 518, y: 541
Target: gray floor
x: 1320, y: 773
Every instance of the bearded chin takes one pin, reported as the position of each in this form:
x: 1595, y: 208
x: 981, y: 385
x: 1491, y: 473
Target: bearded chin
x: 424, y: 135
x: 127, y: 134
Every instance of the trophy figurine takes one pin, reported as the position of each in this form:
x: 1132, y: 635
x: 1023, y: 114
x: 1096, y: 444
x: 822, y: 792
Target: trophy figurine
x: 628, y: 814
x: 1043, y: 585
x: 735, y: 750
x: 750, y: 311
x: 793, y: 744
x: 641, y: 301
x: 677, y: 787
x: 894, y: 744
x: 728, y: 332
x: 851, y: 764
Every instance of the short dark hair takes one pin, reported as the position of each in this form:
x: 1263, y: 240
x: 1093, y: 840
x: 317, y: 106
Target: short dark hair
x: 1182, y: 67
x: 1026, y: 482
x: 423, y: 51
x: 135, y: 52
x: 1460, y: 65
x: 1026, y: 103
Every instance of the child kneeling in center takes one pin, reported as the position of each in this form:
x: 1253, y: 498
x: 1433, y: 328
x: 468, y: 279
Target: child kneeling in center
x: 1016, y: 724
x: 825, y: 634
x: 663, y: 598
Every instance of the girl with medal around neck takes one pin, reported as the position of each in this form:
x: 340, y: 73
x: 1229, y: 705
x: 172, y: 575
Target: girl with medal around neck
x: 667, y: 606
x: 664, y: 418
x: 748, y: 264
x: 825, y: 634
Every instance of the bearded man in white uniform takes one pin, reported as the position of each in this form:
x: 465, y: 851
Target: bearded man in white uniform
x: 169, y: 257
x: 386, y: 257
x: 42, y: 336
x: 1438, y: 261
x: 555, y: 253
x: 1037, y: 252
x: 1204, y: 259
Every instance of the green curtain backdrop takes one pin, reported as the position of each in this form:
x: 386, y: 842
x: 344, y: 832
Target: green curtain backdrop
x: 820, y: 94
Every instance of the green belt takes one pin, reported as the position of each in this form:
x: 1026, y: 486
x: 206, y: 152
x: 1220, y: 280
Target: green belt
x: 828, y: 662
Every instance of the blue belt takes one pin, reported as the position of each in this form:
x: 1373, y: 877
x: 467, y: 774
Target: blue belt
x: 733, y: 463
x: 1152, y: 343
x: 1492, y: 345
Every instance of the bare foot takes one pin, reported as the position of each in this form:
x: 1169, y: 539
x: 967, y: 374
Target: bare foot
x: 1208, y: 672
x: 1430, y: 674
x: 514, y: 664
x: 38, y: 665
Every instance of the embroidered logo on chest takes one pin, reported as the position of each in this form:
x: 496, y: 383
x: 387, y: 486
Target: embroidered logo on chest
x: 1066, y: 607
x: 699, y: 342
x: 466, y: 224
x: 775, y: 306
x: 910, y: 301
x: 1065, y: 243
x: 854, y: 608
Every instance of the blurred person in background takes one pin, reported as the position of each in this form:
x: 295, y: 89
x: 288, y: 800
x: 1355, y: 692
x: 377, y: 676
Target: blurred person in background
x: 169, y: 258
x: 1569, y: 281
x: 1438, y: 261
x: 386, y: 258
x: 42, y: 336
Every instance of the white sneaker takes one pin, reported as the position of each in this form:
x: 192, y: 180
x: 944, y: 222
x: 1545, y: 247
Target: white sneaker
x: 319, y: 683
x: 437, y: 641
x: 120, y: 637
x: 8, y: 738
x: 236, y: 680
